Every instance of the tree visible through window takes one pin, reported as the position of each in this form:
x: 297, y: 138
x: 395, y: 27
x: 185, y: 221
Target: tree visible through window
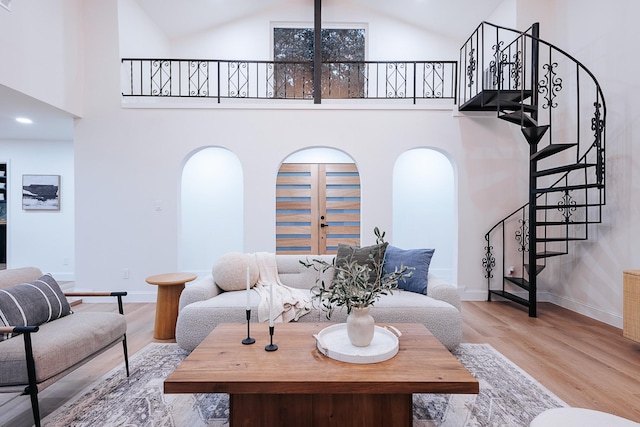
x: 343, y: 72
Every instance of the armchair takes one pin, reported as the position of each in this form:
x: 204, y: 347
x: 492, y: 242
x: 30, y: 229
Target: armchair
x: 51, y: 350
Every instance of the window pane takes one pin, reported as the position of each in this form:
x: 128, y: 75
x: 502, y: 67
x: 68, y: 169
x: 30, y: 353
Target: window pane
x: 343, y: 73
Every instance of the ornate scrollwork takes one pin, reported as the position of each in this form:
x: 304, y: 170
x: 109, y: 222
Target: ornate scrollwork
x: 522, y: 235
x: 489, y: 260
x: 471, y: 68
x: 516, y: 69
x: 160, y: 77
x: 550, y: 85
x: 597, y: 126
x: 198, y: 78
x: 567, y: 206
x: 433, y: 80
x: 238, y: 79
x: 497, y: 64
x: 396, y: 80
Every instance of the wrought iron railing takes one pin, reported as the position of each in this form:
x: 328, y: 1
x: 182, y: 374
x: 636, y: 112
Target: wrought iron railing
x: 558, y: 91
x: 225, y: 79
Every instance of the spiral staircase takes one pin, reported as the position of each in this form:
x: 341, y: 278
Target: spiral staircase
x: 561, y: 111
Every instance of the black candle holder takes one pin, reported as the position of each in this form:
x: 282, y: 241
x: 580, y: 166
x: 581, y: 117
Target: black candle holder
x: 271, y: 346
x: 248, y: 340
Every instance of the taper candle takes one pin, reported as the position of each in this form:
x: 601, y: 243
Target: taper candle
x: 270, y: 304
x: 248, y: 291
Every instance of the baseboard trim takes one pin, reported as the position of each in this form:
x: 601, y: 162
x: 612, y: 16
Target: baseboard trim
x: 610, y: 318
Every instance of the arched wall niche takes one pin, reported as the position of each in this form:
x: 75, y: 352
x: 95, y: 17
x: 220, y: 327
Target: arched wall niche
x: 424, y: 207
x: 211, y: 214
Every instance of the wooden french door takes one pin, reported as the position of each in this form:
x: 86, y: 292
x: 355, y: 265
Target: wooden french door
x: 317, y: 207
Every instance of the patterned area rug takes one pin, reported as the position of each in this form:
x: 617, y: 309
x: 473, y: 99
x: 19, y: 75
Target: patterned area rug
x: 508, y: 396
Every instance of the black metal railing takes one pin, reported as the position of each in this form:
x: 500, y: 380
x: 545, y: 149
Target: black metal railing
x: 556, y: 90
x: 226, y: 79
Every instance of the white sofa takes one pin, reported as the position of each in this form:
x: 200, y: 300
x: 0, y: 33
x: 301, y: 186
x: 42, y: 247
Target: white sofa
x: 203, y: 305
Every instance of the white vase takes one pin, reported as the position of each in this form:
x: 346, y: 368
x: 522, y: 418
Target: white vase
x: 360, y: 326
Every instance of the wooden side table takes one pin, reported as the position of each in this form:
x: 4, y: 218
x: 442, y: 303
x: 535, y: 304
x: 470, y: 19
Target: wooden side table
x: 170, y: 286
x: 631, y: 305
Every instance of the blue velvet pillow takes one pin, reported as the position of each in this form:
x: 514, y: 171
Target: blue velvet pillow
x: 416, y: 258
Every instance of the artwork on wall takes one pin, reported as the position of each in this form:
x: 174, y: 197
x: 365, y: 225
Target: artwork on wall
x: 41, y: 192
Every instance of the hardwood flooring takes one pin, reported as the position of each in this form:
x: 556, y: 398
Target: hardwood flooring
x: 584, y: 362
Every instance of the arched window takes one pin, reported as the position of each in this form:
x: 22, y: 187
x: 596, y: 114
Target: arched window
x: 424, y: 208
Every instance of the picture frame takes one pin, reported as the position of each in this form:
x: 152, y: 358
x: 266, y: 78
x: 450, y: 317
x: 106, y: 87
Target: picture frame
x: 41, y: 192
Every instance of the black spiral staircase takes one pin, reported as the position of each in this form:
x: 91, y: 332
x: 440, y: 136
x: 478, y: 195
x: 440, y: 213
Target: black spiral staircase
x: 561, y: 111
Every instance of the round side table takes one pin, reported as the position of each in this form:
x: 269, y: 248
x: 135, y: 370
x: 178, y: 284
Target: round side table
x: 170, y: 286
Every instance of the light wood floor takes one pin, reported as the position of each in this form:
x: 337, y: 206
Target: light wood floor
x: 584, y: 362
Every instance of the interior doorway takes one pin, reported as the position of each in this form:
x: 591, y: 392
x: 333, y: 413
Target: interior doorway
x: 317, y: 207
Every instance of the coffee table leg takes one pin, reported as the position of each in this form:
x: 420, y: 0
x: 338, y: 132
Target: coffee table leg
x: 321, y: 410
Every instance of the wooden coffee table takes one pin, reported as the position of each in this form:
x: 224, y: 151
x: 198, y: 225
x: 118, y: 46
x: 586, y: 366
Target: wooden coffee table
x: 298, y: 385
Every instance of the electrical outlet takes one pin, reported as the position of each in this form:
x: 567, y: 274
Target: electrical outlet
x: 125, y: 273
x: 65, y: 261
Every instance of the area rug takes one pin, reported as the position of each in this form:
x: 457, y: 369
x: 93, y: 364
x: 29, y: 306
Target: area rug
x: 508, y: 396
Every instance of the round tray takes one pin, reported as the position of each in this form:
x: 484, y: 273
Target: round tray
x: 333, y: 342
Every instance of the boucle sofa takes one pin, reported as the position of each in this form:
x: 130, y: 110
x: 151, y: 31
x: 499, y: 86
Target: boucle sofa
x: 203, y: 305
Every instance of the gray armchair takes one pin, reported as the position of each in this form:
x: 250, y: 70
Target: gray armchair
x: 51, y: 350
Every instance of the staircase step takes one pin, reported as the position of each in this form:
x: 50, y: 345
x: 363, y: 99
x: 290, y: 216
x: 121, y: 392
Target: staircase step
x: 578, y: 205
x: 562, y: 223
x: 566, y: 168
x: 518, y: 281
x: 539, y: 268
x: 519, y: 118
x: 534, y: 134
x: 560, y: 239
x: 549, y: 254
x: 512, y: 297
x: 568, y: 187
x: 506, y: 105
x: 550, y: 150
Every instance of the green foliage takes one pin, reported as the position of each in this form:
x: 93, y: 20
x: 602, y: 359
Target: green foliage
x: 350, y: 286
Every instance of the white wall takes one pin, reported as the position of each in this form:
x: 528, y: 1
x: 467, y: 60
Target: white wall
x: 40, y: 51
x: 42, y: 239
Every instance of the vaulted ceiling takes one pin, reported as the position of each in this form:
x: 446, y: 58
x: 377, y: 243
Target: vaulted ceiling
x: 451, y: 18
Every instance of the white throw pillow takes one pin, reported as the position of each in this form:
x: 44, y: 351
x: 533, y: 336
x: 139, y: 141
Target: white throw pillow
x: 230, y: 271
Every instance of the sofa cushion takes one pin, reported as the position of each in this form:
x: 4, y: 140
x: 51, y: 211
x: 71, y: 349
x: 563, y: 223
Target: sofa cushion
x: 60, y: 344
x: 32, y: 304
x: 418, y: 259
x: 361, y: 255
x: 230, y: 271
x: 15, y: 276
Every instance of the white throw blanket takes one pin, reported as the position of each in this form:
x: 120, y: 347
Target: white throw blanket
x: 288, y: 303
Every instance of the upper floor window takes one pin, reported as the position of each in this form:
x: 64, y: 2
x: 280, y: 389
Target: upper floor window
x: 343, y: 73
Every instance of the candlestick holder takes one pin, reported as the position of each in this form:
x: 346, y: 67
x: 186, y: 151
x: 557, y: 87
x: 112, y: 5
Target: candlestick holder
x: 248, y: 340
x: 271, y: 346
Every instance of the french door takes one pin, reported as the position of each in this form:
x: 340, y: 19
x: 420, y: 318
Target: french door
x: 317, y: 207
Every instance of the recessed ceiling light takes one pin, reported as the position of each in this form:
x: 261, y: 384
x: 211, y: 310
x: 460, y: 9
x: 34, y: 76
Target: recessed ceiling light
x: 24, y: 120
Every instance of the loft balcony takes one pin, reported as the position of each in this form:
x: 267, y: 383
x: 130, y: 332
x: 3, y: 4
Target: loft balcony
x: 276, y: 82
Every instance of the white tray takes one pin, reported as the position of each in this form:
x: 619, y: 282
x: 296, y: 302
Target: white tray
x: 333, y: 342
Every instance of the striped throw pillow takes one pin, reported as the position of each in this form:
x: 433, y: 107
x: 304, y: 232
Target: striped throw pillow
x: 32, y: 304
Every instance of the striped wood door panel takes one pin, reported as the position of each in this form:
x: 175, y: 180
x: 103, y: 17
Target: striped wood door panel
x: 308, y: 195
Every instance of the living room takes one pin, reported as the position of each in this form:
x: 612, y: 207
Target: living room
x: 134, y: 156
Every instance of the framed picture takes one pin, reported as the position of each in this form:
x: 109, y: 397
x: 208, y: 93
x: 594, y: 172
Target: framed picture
x: 41, y: 192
